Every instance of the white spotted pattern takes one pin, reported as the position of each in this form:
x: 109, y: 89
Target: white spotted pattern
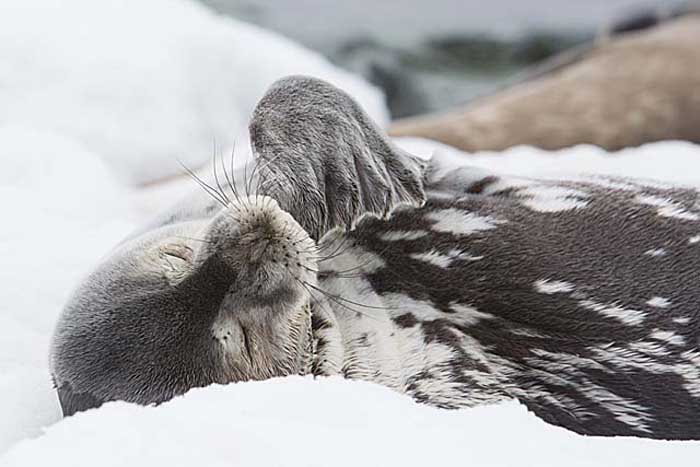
x: 667, y: 336
x: 444, y: 260
x: 463, y: 255
x: 433, y: 257
x: 468, y: 314
x: 624, y: 315
x: 624, y: 410
x: 668, y: 208
x: 656, y: 253
x: 548, y: 287
x: 544, y: 198
x: 659, y: 302
x: 460, y: 222
x: 403, y: 235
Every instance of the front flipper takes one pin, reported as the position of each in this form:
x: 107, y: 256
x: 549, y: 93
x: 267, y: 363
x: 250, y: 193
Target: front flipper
x: 324, y: 160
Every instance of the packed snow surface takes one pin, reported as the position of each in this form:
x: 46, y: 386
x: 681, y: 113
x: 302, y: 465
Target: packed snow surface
x: 333, y: 422
x: 93, y: 99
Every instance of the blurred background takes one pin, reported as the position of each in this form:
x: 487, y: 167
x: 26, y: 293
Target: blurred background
x: 437, y: 54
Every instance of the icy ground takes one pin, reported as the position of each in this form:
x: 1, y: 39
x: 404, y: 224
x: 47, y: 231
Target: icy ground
x: 87, y: 107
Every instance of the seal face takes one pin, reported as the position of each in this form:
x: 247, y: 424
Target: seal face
x: 455, y: 286
x: 220, y: 291
x: 189, y: 305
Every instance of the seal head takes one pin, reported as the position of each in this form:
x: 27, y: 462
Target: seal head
x: 222, y: 292
x: 189, y: 305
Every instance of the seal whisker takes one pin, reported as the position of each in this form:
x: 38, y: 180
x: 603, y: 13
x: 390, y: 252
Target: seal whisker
x: 194, y: 239
x: 339, y: 242
x: 334, y: 274
x: 338, y: 297
x: 259, y: 168
x: 333, y: 298
x: 211, y: 191
x: 336, y: 253
x: 233, y: 185
x: 216, y: 176
x: 228, y: 180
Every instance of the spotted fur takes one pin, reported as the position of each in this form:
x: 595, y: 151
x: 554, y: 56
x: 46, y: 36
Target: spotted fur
x: 542, y: 292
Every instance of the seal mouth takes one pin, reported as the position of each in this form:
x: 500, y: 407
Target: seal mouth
x: 263, y: 325
x: 247, y: 344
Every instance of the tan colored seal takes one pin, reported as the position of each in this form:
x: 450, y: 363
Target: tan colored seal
x: 625, y: 91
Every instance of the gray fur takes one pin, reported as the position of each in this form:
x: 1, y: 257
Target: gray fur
x: 325, y: 160
x: 579, y: 298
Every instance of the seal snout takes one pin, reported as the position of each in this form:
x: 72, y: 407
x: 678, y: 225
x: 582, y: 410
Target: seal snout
x: 262, y: 243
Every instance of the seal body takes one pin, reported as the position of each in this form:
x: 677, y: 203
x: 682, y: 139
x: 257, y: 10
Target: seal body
x: 579, y: 297
x: 627, y: 90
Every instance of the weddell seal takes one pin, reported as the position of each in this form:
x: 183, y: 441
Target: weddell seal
x: 635, y: 86
x: 341, y: 254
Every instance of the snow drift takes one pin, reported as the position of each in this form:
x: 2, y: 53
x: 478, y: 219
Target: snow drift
x: 295, y: 421
x: 144, y: 84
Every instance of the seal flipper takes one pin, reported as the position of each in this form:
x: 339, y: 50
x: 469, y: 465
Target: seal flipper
x: 324, y: 160
x: 73, y: 402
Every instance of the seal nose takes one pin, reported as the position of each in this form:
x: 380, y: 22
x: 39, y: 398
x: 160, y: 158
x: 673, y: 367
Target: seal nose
x: 264, y: 229
x: 255, y: 232
x: 264, y: 245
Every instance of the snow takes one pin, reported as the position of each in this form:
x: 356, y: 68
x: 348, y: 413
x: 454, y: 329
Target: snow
x: 94, y: 99
x: 298, y: 421
x: 62, y: 209
x: 670, y: 161
x: 146, y: 83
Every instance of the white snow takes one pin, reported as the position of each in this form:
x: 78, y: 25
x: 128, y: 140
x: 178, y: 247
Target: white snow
x: 670, y: 161
x: 145, y: 83
x: 95, y: 97
x: 323, y: 423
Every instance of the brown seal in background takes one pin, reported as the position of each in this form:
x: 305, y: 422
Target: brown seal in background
x: 625, y: 90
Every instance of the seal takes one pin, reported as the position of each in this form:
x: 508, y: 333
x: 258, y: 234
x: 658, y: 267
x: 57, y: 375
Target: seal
x: 634, y: 86
x: 341, y: 254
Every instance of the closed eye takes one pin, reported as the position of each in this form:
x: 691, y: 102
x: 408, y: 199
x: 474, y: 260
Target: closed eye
x: 176, y: 259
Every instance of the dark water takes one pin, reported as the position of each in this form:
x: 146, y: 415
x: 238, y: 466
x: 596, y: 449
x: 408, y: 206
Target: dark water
x: 437, y: 54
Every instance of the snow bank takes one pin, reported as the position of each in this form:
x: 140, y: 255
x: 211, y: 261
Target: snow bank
x: 324, y: 423
x: 676, y: 162
x: 144, y: 84
x: 62, y: 209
